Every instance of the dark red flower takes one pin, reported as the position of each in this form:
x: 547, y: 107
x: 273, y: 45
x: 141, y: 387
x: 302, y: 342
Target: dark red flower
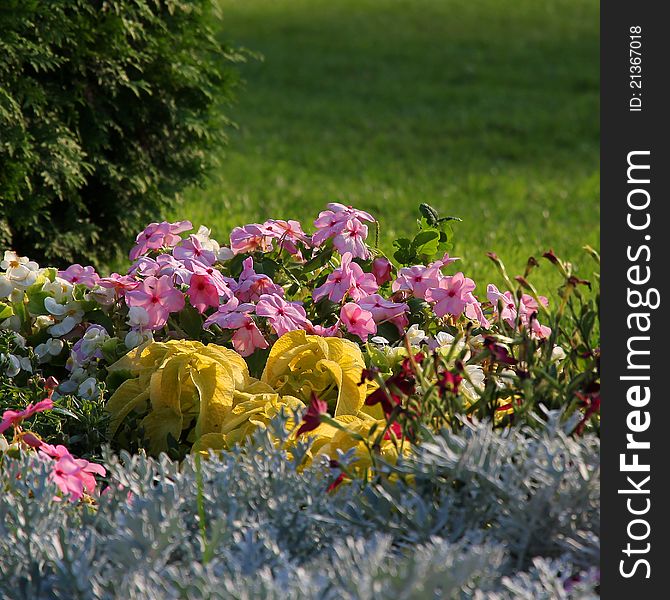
x: 396, y: 429
x: 591, y: 402
x: 498, y: 352
x: 312, y: 417
x: 449, y: 382
x: 333, y: 486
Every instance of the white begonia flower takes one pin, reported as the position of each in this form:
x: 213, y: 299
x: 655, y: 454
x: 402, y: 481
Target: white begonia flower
x: 379, y: 340
x: 21, y: 272
x: 415, y: 335
x: 88, y: 389
x: 92, y: 340
x: 71, y: 311
x: 6, y: 286
x: 52, y: 347
x: 16, y: 296
x: 135, y: 338
x: 138, y: 317
x: 101, y: 295
x: 4, y: 444
x: 70, y: 385
x: 558, y: 354
x: 20, y: 341
x: 208, y: 243
x: 60, y: 289
x: 12, y: 364
x: 42, y: 321
x: 12, y: 323
x: 472, y: 390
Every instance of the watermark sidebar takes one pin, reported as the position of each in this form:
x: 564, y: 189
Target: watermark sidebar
x: 635, y: 194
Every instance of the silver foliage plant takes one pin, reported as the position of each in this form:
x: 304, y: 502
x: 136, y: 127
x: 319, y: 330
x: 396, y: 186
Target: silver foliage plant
x: 481, y: 514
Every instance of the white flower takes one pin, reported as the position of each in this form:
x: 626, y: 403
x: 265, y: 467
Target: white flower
x: 6, y: 286
x: 20, y: 271
x: 88, y: 389
x: 71, y: 311
x: 557, y: 354
x: 203, y: 236
x: 43, y: 321
x: 20, y: 341
x: 70, y: 385
x: 13, y: 323
x: 52, y: 347
x: 138, y: 317
x: 474, y: 389
x: 59, y: 289
x: 415, y: 335
x: 135, y: 338
x: 379, y: 340
x: 17, y: 296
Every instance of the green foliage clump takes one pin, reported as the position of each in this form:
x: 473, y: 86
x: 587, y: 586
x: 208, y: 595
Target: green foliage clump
x: 107, y: 111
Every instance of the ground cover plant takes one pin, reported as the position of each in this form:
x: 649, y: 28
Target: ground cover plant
x: 487, y: 109
x: 295, y: 404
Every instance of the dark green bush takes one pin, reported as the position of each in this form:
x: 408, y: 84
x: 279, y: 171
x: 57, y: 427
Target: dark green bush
x: 107, y: 110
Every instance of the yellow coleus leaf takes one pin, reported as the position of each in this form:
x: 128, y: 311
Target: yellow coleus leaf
x: 215, y: 387
x: 158, y: 424
x: 299, y: 364
x: 129, y: 395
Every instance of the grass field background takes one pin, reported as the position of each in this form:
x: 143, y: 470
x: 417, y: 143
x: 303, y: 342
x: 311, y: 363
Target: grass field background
x: 485, y: 109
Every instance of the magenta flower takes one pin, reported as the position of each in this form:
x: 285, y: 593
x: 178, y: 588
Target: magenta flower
x: 192, y: 249
x: 157, y: 235
x: 358, y: 321
x: 417, y: 280
x: 13, y: 418
x: 158, y: 297
x: 78, y: 274
x: 248, y: 338
x: 451, y: 297
x: 202, y: 293
x: 283, y: 316
x: 312, y: 417
x: 383, y: 311
x: 381, y: 269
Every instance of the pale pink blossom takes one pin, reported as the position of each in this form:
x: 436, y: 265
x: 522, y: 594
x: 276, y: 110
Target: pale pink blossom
x: 73, y: 476
x: 78, y: 274
x: 417, y: 280
x: 231, y: 315
x: 192, y: 249
x: 248, y: 338
x: 13, y: 418
x: 332, y: 222
x: 250, y: 238
x: 158, y: 235
x: 224, y: 285
x: 202, y: 293
x: 252, y: 285
x: 351, y: 238
x: 358, y: 321
x: 119, y: 283
x: 158, y: 297
x: 332, y: 331
x: 347, y: 280
x: 283, y: 316
x: 383, y: 311
x: 451, y: 296
x: 288, y: 234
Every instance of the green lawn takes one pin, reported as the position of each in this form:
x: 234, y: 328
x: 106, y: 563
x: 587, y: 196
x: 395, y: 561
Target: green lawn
x: 486, y: 109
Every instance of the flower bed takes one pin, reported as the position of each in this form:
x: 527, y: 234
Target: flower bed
x: 317, y: 351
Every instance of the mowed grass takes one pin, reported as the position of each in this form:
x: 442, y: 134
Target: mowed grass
x: 486, y: 109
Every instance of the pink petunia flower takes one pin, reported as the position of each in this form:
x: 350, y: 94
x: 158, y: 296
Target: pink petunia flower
x: 192, y: 249
x: 348, y: 279
x: 351, y: 238
x: 250, y: 238
x: 202, y: 293
x: 358, y: 321
x: 383, y: 311
x: 283, y: 316
x: 288, y: 234
x: 78, y: 274
x: 119, y: 283
x: 158, y: 297
x: 451, y: 297
x: 253, y: 285
x: 13, y: 418
x: 417, y: 280
x: 332, y: 331
x: 331, y: 222
x: 158, y: 235
x: 224, y: 285
x: 248, y: 338
x: 72, y: 475
x: 231, y: 315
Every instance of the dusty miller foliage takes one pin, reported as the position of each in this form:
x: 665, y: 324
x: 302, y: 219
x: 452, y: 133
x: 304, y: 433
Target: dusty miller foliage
x: 481, y: 515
